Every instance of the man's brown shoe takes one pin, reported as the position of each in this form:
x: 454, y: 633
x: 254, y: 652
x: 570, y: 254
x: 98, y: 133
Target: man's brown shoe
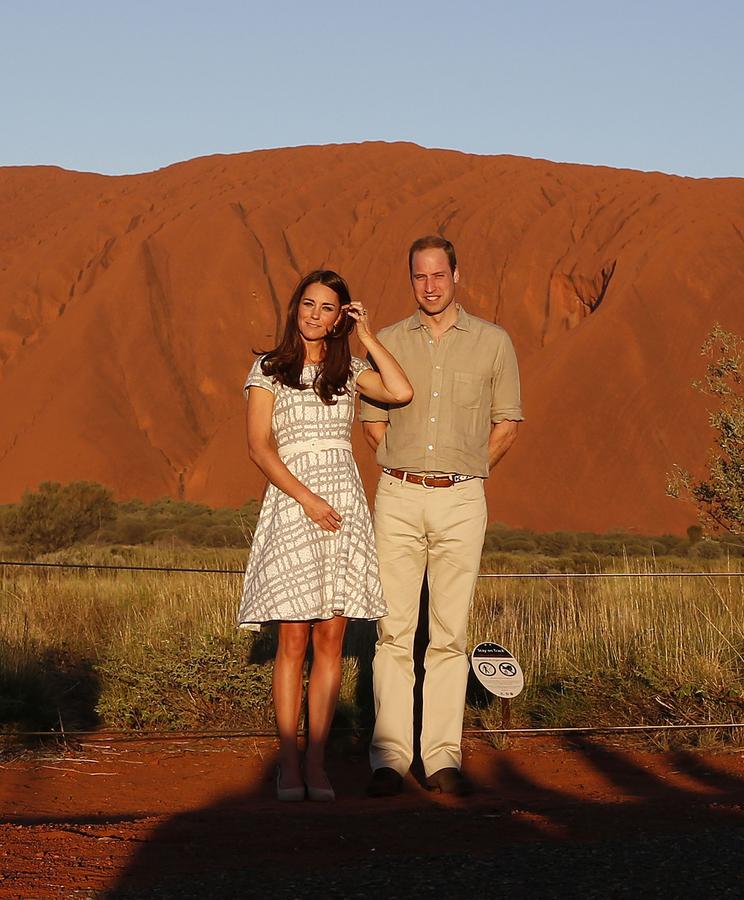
x: 450, y: 781
x: 385, y: 782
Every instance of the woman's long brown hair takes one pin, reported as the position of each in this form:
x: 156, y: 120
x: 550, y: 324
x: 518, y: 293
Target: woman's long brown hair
x: 284, y: 363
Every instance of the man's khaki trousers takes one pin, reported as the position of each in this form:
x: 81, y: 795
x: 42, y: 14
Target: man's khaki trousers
x: 439, y: 530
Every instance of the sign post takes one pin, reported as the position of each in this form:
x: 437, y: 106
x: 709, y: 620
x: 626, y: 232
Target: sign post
x: 499, y: 672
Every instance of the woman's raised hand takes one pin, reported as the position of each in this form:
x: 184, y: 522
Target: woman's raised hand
x: 322, y: 513
x: 359, y: 314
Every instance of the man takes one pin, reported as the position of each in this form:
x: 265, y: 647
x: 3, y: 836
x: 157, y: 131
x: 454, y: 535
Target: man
x: 430, y: 511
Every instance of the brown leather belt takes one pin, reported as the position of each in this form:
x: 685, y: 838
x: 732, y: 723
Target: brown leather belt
x: 430, y: 481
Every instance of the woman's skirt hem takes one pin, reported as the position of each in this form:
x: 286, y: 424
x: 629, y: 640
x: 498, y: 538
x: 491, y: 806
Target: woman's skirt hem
x: 257, y: 626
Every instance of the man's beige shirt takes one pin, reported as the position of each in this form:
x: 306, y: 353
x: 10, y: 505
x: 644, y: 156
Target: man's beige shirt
x: 462, y: 383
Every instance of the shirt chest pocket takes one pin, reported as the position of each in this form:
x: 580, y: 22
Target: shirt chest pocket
x: 467, y: 390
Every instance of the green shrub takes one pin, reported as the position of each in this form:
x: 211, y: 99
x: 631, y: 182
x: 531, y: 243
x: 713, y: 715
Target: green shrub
x: 709, y: 550
x: 608, y: 547
x: 6, y: 514
x: 557, y: 543
x: 224, y: 536
x: 57, y: 515
x: 658, y: 548
x: 520, y: 545
x: 492, y: 542
x: 638, y: 548
x: 126, y: 529
x: 695, y: 533
x: 188, y: 684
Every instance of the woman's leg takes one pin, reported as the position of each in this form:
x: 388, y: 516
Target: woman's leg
x: 287, y: 692
x: 322, y: 694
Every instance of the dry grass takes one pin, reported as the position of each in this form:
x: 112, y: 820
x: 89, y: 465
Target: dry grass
x: 614, y: 651
x: 161, y: 650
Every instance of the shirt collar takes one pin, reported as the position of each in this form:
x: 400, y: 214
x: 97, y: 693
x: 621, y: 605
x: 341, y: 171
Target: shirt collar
x: 461, y: 324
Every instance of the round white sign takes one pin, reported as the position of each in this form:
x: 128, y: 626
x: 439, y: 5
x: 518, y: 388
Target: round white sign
x: 497, y: 670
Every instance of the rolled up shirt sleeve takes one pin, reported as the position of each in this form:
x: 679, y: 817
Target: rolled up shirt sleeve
x: 506, y: 402
x: 372, y: 411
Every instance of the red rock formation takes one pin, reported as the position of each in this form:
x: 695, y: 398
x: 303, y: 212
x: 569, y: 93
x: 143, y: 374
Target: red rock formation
x: 130, y: 305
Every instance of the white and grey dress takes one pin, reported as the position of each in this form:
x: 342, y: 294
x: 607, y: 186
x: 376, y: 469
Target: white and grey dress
x: 296, y: 570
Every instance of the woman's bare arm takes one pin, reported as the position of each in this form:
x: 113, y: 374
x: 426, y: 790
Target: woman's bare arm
x: 389, y: 383
x: 264, y: 454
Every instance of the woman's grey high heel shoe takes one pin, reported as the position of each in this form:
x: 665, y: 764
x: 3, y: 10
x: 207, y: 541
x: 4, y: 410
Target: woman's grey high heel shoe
x: 288, y: 794
x: 320, y: 794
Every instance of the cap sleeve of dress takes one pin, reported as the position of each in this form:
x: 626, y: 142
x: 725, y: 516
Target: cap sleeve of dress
x: 357, y: 367
x: 256, y: 378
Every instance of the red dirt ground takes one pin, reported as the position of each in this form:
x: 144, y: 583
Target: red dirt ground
x: 132, y: 814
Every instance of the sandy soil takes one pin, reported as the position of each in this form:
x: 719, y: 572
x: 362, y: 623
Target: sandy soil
x: 128, y: 817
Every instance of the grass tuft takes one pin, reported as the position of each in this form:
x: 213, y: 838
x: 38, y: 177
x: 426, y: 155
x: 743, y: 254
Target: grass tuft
x: 150, y: 650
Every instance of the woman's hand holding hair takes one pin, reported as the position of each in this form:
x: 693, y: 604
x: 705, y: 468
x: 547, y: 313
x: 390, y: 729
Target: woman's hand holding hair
x: 359, y: 314
x: 389, y: 383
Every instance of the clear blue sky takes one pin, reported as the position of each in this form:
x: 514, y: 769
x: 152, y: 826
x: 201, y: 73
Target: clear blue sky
x: 132, y: 86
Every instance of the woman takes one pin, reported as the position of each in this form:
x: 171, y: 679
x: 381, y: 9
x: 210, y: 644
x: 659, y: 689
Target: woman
x: 313, y: 564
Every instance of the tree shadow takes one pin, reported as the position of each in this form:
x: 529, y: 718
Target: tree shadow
x: 56, y: 690
x: 250, y: 839
x: 247, y: 844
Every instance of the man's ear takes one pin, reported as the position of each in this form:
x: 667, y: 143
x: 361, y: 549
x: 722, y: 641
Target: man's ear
x: 456, y: 275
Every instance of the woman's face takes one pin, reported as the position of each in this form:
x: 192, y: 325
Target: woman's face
x: 318, y: 312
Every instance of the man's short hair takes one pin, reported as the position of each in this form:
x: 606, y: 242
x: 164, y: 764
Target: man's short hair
x: 432, y: 242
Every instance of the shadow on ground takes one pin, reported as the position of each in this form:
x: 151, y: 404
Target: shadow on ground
x: 54, y: 690
x: 669, y: 836
x: 608, y: 824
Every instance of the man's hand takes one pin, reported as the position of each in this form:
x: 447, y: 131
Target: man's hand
x: 502, y: 436
x: 374, y: 432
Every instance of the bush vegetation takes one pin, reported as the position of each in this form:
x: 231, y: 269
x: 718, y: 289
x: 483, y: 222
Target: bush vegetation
x: 57, y: 516
x: 160, y: 650
x: 719, y: 495
x: 84, y: 513
x: 155, y: 650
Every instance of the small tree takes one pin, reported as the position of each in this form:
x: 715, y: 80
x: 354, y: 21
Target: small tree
x: 719, y: 497
x: 57, y: 515
x: 694, y: 533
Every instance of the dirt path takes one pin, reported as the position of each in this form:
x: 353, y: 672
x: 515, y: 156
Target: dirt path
x: 132, y: 818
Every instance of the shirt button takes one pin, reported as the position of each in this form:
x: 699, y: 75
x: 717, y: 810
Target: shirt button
x: 431, y: 342
x: 430, y: 446
x: 435, y: 394
x: 437, y: 367
x: 433, y: 419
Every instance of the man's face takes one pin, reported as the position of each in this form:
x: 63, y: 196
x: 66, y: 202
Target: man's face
x: 433, y: 281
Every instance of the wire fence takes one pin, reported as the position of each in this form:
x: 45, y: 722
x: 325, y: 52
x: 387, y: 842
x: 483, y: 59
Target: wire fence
x: 114, y: 567
x: 227, y: 734
x: 105, y: 734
